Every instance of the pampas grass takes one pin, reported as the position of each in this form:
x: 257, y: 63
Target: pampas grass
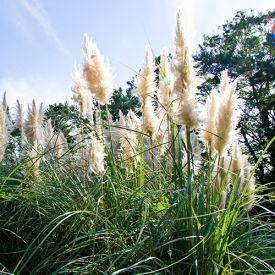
x: 140, y: 195
x: 97, y: 72
x: 33, y: 125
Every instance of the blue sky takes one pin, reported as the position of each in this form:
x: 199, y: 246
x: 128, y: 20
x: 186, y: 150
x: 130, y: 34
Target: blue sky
x: 41, y: 40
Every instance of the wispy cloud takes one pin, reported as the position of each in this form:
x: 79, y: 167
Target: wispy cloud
x: 38, y: 12
x: 44, y: 90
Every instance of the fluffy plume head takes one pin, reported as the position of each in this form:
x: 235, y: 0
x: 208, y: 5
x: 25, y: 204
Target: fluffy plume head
x: 237, y: 159
x: 4, y: 101
x: 224, y: 81
x: 187, y: 111
x: 19, y: 116
x: 226, y: 119
x: 127, y: 142
x: 132, y: 121
x: 33, y: 125
x: 146, y: 89
x: 208, y: 134
x: 182, y: 66
x: 4, y: 139
x: 60, y: 145
x: 184, y: 98
x: 196, y: 151
x: 146, y: 86
x: 78, y: 90
x: 248, y: 184
x: 48, y: 134
x: 97, y: 72
x: 96, y: 156
x: 35, y: 159
x: 165, y: 80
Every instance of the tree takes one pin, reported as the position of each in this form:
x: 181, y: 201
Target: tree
x: 123, y: 101
x: 64, y: 117
x: 247, y: 51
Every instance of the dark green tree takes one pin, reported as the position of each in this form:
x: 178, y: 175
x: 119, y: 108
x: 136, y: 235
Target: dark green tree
x: 247, y: 51
x: 124, y: 101
x: 64, y: 117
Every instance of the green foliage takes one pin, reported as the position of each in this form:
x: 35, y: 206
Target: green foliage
x: 248, y: 53
x: 160, y: 221
x: 123, y: 101
x: 64, y: 117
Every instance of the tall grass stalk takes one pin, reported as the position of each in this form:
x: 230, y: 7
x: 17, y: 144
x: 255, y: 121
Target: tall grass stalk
x: 86, y: 211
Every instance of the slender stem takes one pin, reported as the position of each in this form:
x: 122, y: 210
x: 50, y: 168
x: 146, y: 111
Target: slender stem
x: 188, y: 146
x: 109, y: 126
x: 100, y: 121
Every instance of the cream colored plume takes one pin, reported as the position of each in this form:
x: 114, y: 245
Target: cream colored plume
x: 48, y: 134
x: 237, y: 160
x: 19, y: 117
x: 4, y: 133
x: 248, y: 185
x: 97, y: 72
x: 127, y: 142
x: 165, y: 80
x: 196, y: 151
x: 208, y: 134
x: 146, y: 88
x: 96, y: 155
x: 226, y: 119
x: 61, y: 145
x: 183, y: 69
x: 241, y: 165
x: 33, y: 126
x: 184, y: 98
x: 78, y: 90
x: 146, y: 85
x: 133, y: 122
x: 161, y: 133
x: 35, y: 159
x: 224, y: 81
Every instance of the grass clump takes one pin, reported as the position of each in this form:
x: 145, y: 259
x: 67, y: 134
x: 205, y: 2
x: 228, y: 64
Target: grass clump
x: 163, y: 193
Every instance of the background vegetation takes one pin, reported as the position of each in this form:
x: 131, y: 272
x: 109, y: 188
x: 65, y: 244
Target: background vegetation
x: 125, y: 190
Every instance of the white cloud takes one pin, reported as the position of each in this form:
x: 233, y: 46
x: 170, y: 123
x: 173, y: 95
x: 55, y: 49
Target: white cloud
x: 26, y: 89
x: 37, y: 11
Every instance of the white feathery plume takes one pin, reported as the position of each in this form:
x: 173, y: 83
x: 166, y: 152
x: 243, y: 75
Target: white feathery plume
x: 48, y: 134
x: 96, y: 155
x: 33, y: 125
x: 184, y: 98
x: 196, y: 151
x: 208, y: 134
x: 78, y: 90
x: 237, y: 160
x: 221, y: 168
x: 4, y: 101
x: 60, y: 145
x: 161, y: 134
x: 224, y: 81
x: 35, y: 159
x: 165, y: 80
x: 4, y: 133
x: 19, y: 117
x: 97, y: 72
x: 146, y: 89
x: 133, y: 122
x: 226, y: 119
x: 240, y: 164
x: 247, y: 184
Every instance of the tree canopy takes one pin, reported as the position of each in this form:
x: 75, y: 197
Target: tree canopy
x: 247, y: 50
